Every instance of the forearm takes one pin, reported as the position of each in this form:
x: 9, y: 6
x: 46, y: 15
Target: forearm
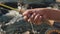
x: 53, y: 16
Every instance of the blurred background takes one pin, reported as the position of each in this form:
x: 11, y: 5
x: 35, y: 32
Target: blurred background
x: 11, y: 21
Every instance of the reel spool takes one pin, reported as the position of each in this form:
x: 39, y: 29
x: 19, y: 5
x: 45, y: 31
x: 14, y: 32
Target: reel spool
x: 53, y: 31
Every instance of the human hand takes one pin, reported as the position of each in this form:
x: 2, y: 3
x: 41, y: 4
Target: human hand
x: 36, y: 16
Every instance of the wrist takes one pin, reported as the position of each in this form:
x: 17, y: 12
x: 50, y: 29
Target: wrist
x: 54, y: 23
x: 51, y: 22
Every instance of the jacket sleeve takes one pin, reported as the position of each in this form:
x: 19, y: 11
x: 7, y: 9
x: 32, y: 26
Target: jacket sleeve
x: 56, y: 24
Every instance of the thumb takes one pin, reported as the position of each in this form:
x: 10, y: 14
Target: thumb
x: 27, y: 12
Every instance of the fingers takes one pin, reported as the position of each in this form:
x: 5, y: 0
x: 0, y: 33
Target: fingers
x: 39, y: 20
x: 31, y: 19
x: 25, y: 18
x: 27, y: 14
x: 33, y: 16
x: 35, y: 19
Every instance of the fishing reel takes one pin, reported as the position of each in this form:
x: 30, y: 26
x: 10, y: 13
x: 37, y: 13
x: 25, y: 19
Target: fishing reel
x: 52, y: 31
x: 55, y: 29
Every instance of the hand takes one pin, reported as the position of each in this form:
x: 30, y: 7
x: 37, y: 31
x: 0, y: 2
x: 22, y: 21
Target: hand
x: 36, y: 16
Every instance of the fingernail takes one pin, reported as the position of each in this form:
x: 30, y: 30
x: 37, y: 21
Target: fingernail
x: 25, y: 17
x: 36, y: 16
x: 28, y: 20
x: 40, y: 16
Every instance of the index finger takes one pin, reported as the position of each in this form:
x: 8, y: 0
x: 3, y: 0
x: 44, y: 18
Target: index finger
x: 27, y: 12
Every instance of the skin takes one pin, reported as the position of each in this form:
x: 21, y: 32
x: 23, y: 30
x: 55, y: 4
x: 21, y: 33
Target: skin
x: 37, y: 15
